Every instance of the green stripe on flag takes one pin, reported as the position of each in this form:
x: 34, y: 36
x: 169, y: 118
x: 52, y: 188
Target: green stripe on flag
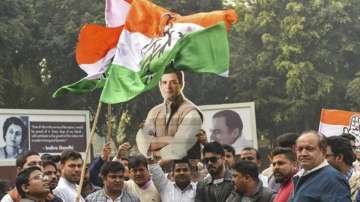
x: 205, y: 51
x: 80, y: 87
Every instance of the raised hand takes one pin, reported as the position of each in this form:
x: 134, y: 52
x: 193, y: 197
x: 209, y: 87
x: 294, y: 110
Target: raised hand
x: 105, y: 155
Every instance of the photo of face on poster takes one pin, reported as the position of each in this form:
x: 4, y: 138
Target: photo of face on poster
x: 231, y: 124
x: 15, y: 137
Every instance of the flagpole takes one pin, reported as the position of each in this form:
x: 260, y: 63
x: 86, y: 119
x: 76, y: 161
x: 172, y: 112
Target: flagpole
x: 109, y: 124
x: 87, y: 152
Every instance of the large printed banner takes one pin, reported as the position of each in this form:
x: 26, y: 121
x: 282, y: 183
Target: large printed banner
x: 44, y: 131
x: 335, y: 122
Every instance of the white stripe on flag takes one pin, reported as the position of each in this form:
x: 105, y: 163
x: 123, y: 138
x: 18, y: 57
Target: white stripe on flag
x: 95, y: 70
x: 330, y: 129
x: 116, y: 12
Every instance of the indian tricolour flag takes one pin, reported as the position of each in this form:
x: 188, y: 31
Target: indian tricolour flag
x: 153, y: 37
x: 335, y: 122
x: 96, y: 48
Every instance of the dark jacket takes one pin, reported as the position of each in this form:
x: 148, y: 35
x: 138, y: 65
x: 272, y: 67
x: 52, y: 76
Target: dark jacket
x: 323, y: 185
x: 208, y: 191
x: 262, y: 194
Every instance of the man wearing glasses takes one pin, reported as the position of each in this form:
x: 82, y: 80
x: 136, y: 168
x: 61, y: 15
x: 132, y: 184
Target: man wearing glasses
x: 33, y: 185
x: 218, y: 186
x: 23, y: 161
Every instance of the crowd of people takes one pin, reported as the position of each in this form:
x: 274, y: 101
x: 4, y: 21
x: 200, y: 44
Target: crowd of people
x: 304, y: 167
x: 177, y: 164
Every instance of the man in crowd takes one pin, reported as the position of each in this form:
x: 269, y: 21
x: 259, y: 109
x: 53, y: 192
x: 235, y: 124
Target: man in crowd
x: 352, y: 139
x: 227, y: 128
x: 218, y: 186
x: 317, y: 180
x: 182, y: 189
x: 284, y: 168
x: 71, y: 165
x: 252, y: 154
x: 98, y: 162
x: 32, y: 185
x: 170, y: 128
x: 50, y: 172
x: 25, y: 160
x: 339, y: 154
x: 247, y: 186
x: 229, y: 155
x: 285, y: 140
x: 112, y: 174
x: 140, y: 183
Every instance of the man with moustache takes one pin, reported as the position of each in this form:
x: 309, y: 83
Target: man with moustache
x: 247, y: 186
x: 218, y: 186
x: 140, y: 183
x: 170, y: 128
x: 284, y: 168
x: 112, y: 174
x: 70, y: 165
x: 182, y: 189
x: 317, y: 180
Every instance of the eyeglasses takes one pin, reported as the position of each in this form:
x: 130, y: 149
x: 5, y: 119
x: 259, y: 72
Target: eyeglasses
x: 39, y: 177
x: 213, y: 159
x: 249, y: 158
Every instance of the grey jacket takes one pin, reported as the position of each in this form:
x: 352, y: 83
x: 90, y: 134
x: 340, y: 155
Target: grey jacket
x: 262, y: 194
x: 208, y: 191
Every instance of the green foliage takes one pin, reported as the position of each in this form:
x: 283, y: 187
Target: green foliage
x: 294, y: 57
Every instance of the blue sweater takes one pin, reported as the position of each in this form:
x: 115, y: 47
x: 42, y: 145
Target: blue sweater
x: 323, y: 185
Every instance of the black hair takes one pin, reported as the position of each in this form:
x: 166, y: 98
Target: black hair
x: 136, y: 161
x: 247, y: 168
x: 213, y: 147
x: 184, y: 160
x: 258, y: 157
x: 21, y: 159
x: 69, y: 155
x: 229, y: 148
x: 111, y: 167
x: 179, y: 74
x: 49, y: 157
x: 47, y: 163
x: 286, y: 151
x: 23, y: 178
x: 24, y: 130
x: 348, y: 136
x: 287, y: 139
x: 232, y: 119
x: 340, y: 145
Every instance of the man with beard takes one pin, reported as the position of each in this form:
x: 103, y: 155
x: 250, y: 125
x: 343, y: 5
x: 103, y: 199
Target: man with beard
x: 317, y: 180
x: 70, y: 165
x: 32, y: 185
x: 247, y: 186
x: 140, y: 183
x: 50, y: 172
x: 182, y: 189
x: 284, y: 167
x: 217, y: 186
x: 112, y: 174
